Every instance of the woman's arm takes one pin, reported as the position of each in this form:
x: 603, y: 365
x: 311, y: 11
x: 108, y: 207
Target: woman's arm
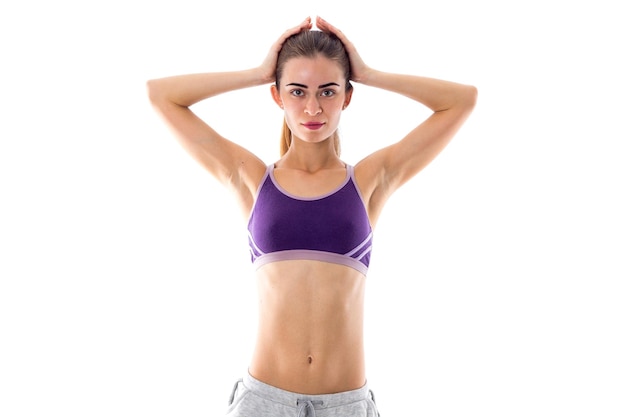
x: 229, y: 163
x: 451, y: 104
x: 382, y: 172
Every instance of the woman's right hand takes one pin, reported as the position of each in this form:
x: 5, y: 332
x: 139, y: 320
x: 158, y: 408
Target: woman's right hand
x: 268, y: 67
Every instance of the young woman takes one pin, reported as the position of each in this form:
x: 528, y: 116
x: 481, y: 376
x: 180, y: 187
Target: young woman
x: 310, y: 215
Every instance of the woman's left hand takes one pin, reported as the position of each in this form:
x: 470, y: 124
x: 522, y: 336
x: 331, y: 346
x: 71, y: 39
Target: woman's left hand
x: 359, y: 71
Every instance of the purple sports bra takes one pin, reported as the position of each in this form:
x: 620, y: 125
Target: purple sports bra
x: 333, y: 227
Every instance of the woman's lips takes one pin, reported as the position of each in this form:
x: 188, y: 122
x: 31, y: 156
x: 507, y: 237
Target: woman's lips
x: 313, y: 125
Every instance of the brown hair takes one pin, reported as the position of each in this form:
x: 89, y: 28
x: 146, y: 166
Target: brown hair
x: 309, y: 44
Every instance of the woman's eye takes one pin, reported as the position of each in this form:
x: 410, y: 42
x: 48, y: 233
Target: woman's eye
x: 328, y: 93
x: 297, y: 93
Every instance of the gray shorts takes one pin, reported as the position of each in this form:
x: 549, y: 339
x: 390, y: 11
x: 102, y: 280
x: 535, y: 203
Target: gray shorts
x: 253, y: 398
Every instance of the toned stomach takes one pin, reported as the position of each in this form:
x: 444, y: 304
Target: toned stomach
x: 310, y: 331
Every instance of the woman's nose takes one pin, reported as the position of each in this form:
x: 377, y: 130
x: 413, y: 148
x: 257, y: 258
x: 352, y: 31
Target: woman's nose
x: 313, y: 107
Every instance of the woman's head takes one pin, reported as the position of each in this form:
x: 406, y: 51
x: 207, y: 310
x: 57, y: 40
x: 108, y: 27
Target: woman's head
x: 313, y: 55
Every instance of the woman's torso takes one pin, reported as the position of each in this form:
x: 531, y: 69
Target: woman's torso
x: 310, y: 331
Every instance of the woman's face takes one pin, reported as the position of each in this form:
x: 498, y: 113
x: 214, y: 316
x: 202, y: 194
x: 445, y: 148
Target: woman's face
x: 312, y: 92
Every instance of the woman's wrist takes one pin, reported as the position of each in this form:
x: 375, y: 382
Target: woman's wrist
x: 366, y: 77
x: 261, y: 76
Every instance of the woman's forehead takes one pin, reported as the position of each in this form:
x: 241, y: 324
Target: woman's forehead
x: 312, y: 72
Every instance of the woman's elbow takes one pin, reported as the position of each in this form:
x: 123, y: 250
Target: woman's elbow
x: 154, y: 90
x: 470, y: 96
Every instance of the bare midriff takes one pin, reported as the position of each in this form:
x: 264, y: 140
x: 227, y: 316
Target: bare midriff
x: 310, y: 331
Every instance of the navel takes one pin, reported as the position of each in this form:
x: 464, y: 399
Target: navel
x: 310, y: 359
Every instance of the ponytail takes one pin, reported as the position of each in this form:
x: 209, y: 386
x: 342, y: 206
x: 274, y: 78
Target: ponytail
x: 285, y: 139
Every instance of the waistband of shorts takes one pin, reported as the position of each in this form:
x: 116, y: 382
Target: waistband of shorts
x: 291, y: 398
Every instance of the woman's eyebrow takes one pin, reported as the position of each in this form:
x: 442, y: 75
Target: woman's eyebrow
x: 327, y: 85
x: 306, y: 86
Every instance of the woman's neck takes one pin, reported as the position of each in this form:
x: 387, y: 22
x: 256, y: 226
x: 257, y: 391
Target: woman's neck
x: 311, y: 157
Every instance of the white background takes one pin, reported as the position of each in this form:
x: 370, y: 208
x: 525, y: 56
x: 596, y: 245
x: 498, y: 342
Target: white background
x: 496, y: 285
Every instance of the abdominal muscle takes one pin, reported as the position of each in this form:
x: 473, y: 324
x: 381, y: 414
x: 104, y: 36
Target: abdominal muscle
x: 310, y: 332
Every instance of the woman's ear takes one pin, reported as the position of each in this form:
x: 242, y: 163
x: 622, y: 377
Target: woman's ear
x: 276, y: 95
x: 346, y: 102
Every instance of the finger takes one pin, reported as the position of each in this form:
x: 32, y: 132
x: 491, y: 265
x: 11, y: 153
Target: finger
x: 321, y: 23
x: 327, y: 27
x: 306, y: 24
